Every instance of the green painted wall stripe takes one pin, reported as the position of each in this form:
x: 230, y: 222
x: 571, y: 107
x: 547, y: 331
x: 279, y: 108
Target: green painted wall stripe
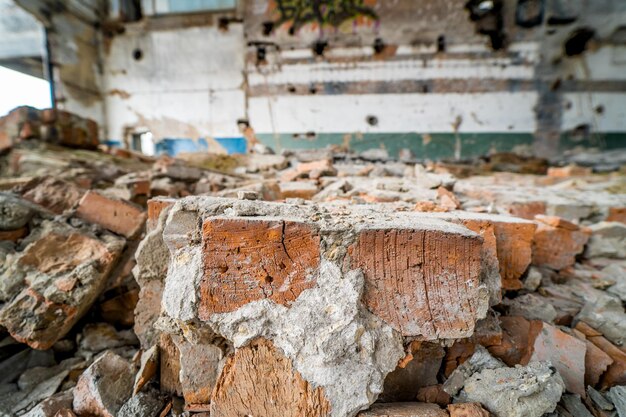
x: 435, y: 145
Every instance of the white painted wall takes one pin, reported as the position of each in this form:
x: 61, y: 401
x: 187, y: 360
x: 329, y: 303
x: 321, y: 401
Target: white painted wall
x: 396, y: 113
x: 580, y: 108
x: 188, y: 83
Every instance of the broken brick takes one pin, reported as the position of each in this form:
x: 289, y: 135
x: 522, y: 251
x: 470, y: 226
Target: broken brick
x: 557, y: 242
x: 616, y: 214
x: 433, y: 394
x: 467, y: 410
x: 565, y: 352
x: 447, y: 199
x: 616, y: 372
x: 258, y: 380
x: 248, y: 259
x: 514, y: 345
x: 200, y: 367
x: 118, y: 216
x: 414, y: 278
x: 53, y: 194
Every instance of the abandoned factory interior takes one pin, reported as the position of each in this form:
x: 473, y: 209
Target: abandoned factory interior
x: 313, y: 208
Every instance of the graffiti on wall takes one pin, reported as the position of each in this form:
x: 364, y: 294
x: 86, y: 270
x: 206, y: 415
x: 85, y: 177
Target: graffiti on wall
x: 298, y: 13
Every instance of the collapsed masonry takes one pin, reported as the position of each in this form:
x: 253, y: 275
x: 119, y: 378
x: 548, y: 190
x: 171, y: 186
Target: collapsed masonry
x: 316, y: 283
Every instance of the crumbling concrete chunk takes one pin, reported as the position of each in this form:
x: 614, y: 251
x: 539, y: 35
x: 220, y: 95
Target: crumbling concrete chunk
x: 104, y: 387
x: 259, y: 380
x: 608, y: 239
x: 14, y: 213
x: 606, y: 314
x: 529, y: 391
x: 531, y: 307
x: 144, y: 404
x: 480, y: 360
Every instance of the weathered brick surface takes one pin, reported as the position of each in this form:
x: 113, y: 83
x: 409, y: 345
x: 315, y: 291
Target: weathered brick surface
x: 565, y: 352
x: 467, y: 410
x: 557, y: 242
x: 53, y: 194
x: 247, y: 260
x: 118, y: 216
x: 420, y: 282
x: 258, y: 380
x: 404, y: 410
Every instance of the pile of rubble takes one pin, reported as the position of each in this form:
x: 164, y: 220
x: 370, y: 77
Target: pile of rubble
x: 311, y: 283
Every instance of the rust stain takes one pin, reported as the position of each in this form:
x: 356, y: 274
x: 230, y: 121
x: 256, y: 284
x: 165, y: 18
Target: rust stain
x: 117, y: 92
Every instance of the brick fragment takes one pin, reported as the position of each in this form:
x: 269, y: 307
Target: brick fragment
x: 414, y: 279
x: 616, y: 372
x: 447, y: 199
x: 569, y: 171
x: 248, y: 259
x: 565, y: 352
x: 155, y: 208
x: 433, y: 394
x: 596, y: 361
x: 13, y: 235
x: 557, y: 242
x: 467, y: 410
x: 169, y: 360
x: 259, y: 380
x: 298, y: 189
x: 514, y: 244
x: 53, y: 194
x: 526, y: 209
x: 616, y: 214
x: 147, y: 368
x: 403, y: 410
x: 118, y: 216
x: 200, y: 366
x: 514, y: 345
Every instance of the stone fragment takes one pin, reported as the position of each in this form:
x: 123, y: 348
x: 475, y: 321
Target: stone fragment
x: 566, y: 353
x: 97, y: 337
x: 608, y: 239
x: 104, y: 387
x: 50, y: 284
x: 259, y: 380
x: 617, y: 274
x: 14, y: 365
x: 480, y: 360
x: 316, y: 169
x: 606, y: 314
x: 39, y: 392
x: 531, y: 307
x: 573, y: 404
x: 529, y: 391
x: 617, y: 395
x: 119, y: 310
x: 599, y: 400
x: 53, y: 194
x: 200, y: 366
x: 52, y: 405
x: 467, y: 410
x: 118, y: 216
x: 403, y: 410
x: 247, y: 260
x: 557, y: 242
x: 143, y: 404
x: 147, y: 368
x: 15, y: 212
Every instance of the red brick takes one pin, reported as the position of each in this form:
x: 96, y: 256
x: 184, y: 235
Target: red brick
x: 557, y: 242
x: 13, y: 235
x: 447, y: 199
x: 247, y: 260
x: 467, y: 410
x: 514, y: 345
x: 53, y: 194
x: 527, y: 209
x: 259, y: 380
x: 569, y: 171
x: 616, y: 214
x: 118, y: 216
x: 420, y: 282
x: 155, y: 207
x: 616, y: 372
x: 565, y: 352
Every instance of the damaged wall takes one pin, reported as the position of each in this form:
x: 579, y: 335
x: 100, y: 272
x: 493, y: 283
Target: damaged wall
x: 443, y: 78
